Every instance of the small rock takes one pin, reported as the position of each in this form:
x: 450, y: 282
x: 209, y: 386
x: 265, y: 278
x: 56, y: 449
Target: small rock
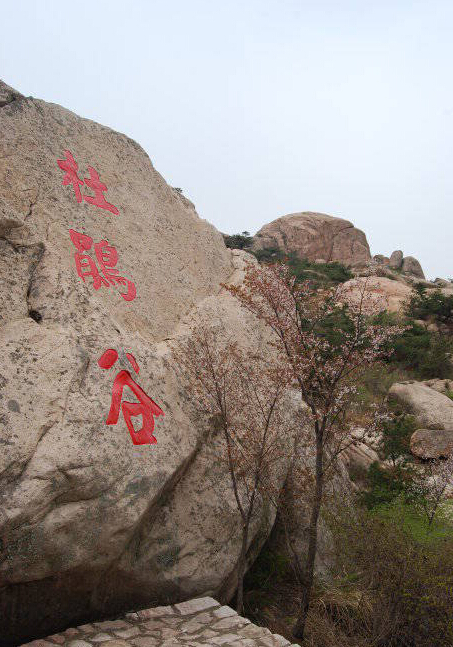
x: 112, y: 624
x: 195, y: 605
x: 157, y: 612
x: 229, y: 623
x: 275, y: 641
x: 127, y: 633
x: 191, y: 627
x: 100, y: 638
x: 227, y: 638
x: 145, y: 641
x: 224, y: 612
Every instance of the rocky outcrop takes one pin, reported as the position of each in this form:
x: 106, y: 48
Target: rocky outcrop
x: 358, y: 457
x: 396, y: 260
x: 315, y: 236
x: 431, y: 408
x: 99, y: 253
x: 412, y: 266
x: 432, y: 443
x: 392, y: 294
x: 408, y: 264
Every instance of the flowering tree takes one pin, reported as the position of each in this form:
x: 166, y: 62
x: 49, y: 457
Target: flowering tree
x: 327, y: 339
x: 245, y: 397
x: 430, y: 485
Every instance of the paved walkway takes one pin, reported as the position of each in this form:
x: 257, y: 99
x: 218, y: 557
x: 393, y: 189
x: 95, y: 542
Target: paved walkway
x: 195, y: 623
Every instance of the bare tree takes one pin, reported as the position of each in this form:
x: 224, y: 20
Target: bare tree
x: 328, y: 339
x: 245, y: 394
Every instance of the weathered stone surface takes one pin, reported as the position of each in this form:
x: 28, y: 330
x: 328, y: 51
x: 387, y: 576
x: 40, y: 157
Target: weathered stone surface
x: 224, y: 612
x: 412, y: 266
x: 396, y: 259
x: 196, y: 605
x: 431, y: 409
x: 359, y: 456
x: 393, y: 294
x: 381, y: 259
x: 85, y: 515
x: 315, y: 236
x: 432, y: 443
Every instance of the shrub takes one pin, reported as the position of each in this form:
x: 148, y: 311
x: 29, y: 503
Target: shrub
x: 424, y: 353
x: 395, y: 437
x: 319, y: 274
x: 238, y: 241
x: 430, y: 305
x: 384, y: 485
x: 401, y: 572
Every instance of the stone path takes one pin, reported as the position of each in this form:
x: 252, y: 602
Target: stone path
x: 195, y: 623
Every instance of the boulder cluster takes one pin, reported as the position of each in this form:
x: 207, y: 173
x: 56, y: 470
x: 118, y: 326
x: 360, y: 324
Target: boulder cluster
x: 400, y: 263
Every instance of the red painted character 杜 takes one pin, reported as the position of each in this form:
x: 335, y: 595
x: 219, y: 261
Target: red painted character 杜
x: 146, y: 407
x: 107, y: 257
x: 70, y: 166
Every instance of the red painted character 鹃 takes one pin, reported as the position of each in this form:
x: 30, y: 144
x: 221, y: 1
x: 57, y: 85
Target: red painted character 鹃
x: 146, y: 407
x: 107, y: 257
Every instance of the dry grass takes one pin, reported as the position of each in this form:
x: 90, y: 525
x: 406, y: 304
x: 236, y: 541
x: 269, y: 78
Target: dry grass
x: 329, y: 621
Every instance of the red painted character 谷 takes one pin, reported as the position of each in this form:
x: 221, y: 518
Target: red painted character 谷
x: 145, y: 407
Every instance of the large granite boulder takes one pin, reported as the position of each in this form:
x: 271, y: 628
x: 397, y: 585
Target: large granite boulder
x: 396, y: 259
x: 392, y: 295
x: 431, y: 408
x: 315, y: 236
x: 432, y: 443
x: 413, y: 267
x: 91, y: 523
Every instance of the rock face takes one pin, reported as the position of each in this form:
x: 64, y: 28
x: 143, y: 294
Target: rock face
x: 396, y: 259
x: 358, y: 457
x: 90, y: 522
x: 412, y: 266
x: 432, y: 443
x: 315, y: 236
x: 394, y: 294
x: 432, y: 409
x: 408, y: 265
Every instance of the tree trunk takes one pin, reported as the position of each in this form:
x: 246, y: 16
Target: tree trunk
x: 299, y: 628
x: 241, y: 571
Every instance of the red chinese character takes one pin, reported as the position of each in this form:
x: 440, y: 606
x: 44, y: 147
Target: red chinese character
x: 70, y: 166
x: 107, y: 257
x: 146, y: 407
x: 98, y: 188
x: 85, y: 265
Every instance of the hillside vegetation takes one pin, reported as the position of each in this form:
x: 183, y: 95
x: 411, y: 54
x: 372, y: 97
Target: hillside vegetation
x: 390, y: 579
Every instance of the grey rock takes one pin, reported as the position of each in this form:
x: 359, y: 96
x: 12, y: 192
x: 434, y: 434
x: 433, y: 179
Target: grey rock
x: 315, y: 236
x: 432, y: 443
x: 412, y: 266
x: 396, y: 259
x: 91, y: 523
x: 431, y: 409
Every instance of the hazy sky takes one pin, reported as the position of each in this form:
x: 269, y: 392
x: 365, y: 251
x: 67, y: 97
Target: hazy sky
x: 258, y: 108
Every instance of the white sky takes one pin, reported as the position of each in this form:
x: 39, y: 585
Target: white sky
x: 258, y: 108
